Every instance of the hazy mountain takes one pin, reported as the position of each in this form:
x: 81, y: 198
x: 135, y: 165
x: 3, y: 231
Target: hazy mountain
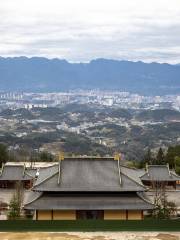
x: 41, y: 74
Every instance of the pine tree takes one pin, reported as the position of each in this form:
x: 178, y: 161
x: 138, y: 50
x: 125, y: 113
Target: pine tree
x: 148, y: 157
x: 14, y: 209
x: 170, y: 157
x: 160, y: 159
x: 3, y: 154
x: 177, y: 164
x: 16, y: 202
x: 171, y: 154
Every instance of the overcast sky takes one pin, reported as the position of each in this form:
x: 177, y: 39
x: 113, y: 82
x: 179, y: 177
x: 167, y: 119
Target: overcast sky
x: 81, y: 30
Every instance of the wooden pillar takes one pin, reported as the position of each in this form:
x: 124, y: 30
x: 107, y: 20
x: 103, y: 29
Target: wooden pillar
x: 30, y: 184
x: 126, y: 214
x: 51, y: 214
x: 142, y: 215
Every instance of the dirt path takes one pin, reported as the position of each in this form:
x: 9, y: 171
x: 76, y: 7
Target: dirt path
x: 90, y: 236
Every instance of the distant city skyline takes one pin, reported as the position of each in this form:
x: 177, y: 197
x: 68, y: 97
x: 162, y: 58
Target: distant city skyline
x: 80, y: 31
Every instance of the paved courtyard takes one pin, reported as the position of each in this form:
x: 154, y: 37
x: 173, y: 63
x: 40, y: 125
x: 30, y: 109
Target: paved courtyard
x: 90, y: 236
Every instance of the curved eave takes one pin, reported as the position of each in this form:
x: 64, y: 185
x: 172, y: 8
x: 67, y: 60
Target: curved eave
x: 108, y: 189
x: 124, y: 202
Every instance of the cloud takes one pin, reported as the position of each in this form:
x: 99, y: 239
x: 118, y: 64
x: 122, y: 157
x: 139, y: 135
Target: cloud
x: 83, y: 30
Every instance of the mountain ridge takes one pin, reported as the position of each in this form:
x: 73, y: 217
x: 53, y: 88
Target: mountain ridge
x: 45, y: 75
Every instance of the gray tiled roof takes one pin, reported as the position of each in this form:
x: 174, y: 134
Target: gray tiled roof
x: 87, y: 175
x: 14, y: 173
x: 31, y: 172
x: 31, y: 196
x: 159, y: 173
x: 46, y: 172
x: 133, y: 173
x: 121, y: 201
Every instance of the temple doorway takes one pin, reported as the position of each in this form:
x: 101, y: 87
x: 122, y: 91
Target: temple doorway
x: 89, y: 214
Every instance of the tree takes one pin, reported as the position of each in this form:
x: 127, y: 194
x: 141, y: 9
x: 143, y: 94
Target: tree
x: 177, y: 164
x: 16, y: 202
x: 46, y: 157
x: 170, y: 157
x: 171, y: 154
x: 3, y: 154
x: 163, y: 208
x: 160, y: 159
x: 147, y: 159
x: 14, y: 210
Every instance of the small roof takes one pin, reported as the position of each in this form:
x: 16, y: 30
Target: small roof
x: 45, y: 172
x: 14, y: 173
x: 159, y: 173
x: 120, y: 201
x: 134, y: 173
x: 87, y: 175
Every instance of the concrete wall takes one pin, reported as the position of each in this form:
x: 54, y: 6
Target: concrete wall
x: 55, y: 215
x: 64, y: 215
x: 134, y: 215
x: 71, y: 215
x: 44, y: 215
x: 114, y: 214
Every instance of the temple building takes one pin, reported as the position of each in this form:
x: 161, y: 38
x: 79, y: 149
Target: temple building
x: 160, y: 176
x: 86, y: 188
x: 11, y: 174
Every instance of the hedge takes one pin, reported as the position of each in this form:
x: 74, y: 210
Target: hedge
x: 89, y: 225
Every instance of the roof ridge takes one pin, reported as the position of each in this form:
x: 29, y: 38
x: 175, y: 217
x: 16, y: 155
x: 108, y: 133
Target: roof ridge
x: 132, y: 168
x: 2, y: 169
x: 174, y: 173
x: 18, y: 165
x: 45, y: 167
x: 169, y: 172
x: 157, y: 165
x: 88, y: 157
x: 59, y: 171
x: 119, y: 172
x: 24, y: 169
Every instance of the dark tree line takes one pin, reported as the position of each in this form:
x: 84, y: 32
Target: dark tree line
x: 4, y: 157
x: 171, y: 157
